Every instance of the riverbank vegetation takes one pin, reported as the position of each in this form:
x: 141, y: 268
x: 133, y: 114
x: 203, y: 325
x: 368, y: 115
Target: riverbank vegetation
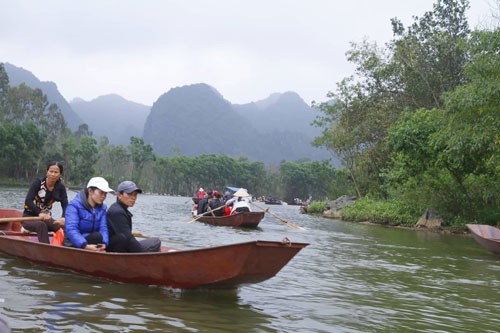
x: 417, y: 124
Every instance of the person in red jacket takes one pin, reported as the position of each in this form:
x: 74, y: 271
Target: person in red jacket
x: 201, y: 193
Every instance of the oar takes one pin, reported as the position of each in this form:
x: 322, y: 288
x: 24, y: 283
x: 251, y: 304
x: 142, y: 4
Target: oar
x: 211, y: 211
x: 279, y: 218
x: 138, y: 234
x: 20, y: 219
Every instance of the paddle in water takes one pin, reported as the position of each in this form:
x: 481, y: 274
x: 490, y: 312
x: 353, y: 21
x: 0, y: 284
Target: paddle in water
x: 279, y: 218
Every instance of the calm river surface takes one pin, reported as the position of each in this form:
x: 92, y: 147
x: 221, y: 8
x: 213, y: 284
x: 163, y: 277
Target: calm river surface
x: 351, y: 278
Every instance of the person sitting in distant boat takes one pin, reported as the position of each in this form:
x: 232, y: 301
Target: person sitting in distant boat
x: 203, y: 204
x: 240, y: 202
x: 86, y: 225
x: 201, y: 193
x: 216, y: 204
x: 39, y: 200
x: 119, y: 218
x: 227, y: 195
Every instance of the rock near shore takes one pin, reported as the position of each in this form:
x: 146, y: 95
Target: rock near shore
x: 334, y: 208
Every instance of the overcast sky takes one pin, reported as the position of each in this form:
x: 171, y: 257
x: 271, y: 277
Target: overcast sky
x: 245, y: 49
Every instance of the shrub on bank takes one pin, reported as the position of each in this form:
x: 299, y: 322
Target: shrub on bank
x: 316, y: 207
x: 390, y: 212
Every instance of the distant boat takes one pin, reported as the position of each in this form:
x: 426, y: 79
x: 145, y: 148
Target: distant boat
x: 225, y: 266
x: 272, y: 201
x: 243, y: 219
x: 487, y: 236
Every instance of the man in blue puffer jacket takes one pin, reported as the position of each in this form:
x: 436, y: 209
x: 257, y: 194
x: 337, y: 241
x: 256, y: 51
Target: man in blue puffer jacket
x: 86, y: 225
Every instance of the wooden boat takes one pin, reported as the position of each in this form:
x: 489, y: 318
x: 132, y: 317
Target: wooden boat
x: 487, y: 236
x: 273, y: 201
x: 226, y: 266
x: 243, y: 220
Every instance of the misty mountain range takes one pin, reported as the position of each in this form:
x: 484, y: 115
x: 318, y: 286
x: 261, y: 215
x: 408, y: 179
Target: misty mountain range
x: 193, y: 120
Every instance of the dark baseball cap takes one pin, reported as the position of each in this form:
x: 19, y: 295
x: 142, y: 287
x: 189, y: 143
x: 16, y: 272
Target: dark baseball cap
x: 128, y: 186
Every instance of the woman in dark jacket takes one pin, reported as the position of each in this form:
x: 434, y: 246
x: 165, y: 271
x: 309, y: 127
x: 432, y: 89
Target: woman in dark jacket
x: 39, y: 200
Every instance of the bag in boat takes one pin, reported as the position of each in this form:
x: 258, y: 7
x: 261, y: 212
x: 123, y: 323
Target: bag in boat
x: 57, y: 237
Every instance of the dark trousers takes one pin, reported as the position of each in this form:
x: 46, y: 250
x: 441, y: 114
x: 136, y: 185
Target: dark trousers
x: 41, y: 228
x: 94, y: 238
x: 122, y: 243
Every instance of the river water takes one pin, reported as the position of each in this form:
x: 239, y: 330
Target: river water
x: 351, y: 278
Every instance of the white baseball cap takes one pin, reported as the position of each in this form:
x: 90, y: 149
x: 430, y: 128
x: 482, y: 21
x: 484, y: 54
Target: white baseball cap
x: 100, y: 183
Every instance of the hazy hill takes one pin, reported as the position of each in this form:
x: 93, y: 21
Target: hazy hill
x: 279, y: 112
x: 112, y: 116
x: 18, y: 75
x: 196, y: 119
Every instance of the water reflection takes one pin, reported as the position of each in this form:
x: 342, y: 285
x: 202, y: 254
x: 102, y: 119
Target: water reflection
x: 57, y: 301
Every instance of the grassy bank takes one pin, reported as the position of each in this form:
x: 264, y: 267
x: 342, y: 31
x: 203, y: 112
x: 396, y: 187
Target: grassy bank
x: 386, y: 212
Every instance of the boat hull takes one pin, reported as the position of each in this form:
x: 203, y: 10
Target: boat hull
x: 243, y: 220
x: 487, y: 236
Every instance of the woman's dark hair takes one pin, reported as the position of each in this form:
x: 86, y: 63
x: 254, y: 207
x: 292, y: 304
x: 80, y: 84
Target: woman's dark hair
x: 58, y: 164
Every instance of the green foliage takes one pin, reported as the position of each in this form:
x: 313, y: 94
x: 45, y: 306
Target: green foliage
x: 84, y: 160
x: 448, y: 158
x: 27, y: 104
x: 20, y: 149
x: 115, y: 162
x: 430, y: 53
x: 419, y: 119
x: 312, y: 179
x: 4, y: 90
x: 140, y: 154
x: 316, y: 207
x: 392, y: 212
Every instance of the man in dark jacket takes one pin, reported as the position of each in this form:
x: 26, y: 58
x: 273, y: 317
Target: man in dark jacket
x: 216, y: 203
x: 120, y: 223
x: 203, y: 204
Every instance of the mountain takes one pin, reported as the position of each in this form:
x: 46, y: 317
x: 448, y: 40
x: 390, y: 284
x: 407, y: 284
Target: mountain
x: 18, y: 75
x: 281, y: 111
x: 196, y: 119
x: 112, y: 116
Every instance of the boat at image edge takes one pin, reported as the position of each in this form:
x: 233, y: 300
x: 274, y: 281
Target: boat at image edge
x: 487, y: 236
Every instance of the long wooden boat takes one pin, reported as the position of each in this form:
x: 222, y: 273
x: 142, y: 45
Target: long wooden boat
x: 487, y: 236
x: 226, y: 266
x: 273, y: 202
x: 243, y: 220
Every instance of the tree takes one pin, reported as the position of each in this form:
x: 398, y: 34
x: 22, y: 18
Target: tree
x: 141, y: 154
x: 412, y: 72
x: 430, y: 54
x: 84, y: 159
x: 4, y: 90
x: 115, y: 162
x: 20, y: 149
x: 448, y: 158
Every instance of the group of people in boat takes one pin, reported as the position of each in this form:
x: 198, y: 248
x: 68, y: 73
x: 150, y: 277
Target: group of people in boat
x: 213, y: 203
x: 85, y: 222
